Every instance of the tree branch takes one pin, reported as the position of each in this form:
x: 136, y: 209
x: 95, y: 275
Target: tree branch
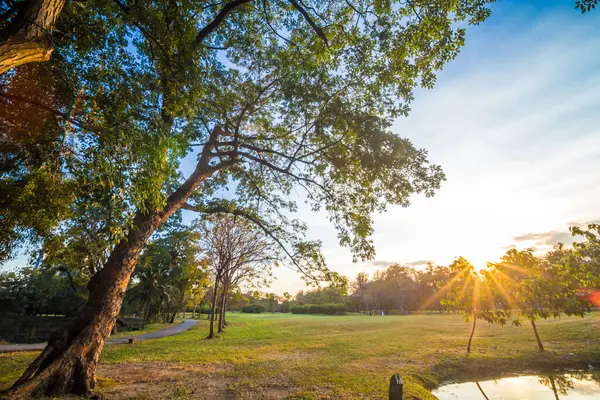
x: 310, y: 21
x: 252, y: 218
x: 215, y: 23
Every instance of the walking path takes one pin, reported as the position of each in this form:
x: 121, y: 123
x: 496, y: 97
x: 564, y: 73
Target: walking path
x: 173, y: 330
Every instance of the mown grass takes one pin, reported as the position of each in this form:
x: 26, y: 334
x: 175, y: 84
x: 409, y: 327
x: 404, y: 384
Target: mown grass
x: 314, y: 357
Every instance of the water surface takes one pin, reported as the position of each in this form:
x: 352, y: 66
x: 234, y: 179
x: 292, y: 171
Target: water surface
x: 573, y: 386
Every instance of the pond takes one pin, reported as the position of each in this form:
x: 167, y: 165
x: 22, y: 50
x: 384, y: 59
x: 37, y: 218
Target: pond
x: 572, y: 386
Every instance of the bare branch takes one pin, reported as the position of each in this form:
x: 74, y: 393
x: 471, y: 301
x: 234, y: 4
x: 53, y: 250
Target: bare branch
x: 254, y: 219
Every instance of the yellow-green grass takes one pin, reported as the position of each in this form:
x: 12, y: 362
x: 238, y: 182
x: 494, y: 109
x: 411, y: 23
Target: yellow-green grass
x: 314, y: 357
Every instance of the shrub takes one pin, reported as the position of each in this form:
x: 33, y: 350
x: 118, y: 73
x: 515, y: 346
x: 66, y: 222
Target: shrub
x: 253, y: 309
x: 329, y: 309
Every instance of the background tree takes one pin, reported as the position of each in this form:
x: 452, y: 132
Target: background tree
x: 584, y: 261
x: 464, y: 294
x: 236, y: 252
x: 304, y: 100
x: 534, y: 287
x: 168, y: 272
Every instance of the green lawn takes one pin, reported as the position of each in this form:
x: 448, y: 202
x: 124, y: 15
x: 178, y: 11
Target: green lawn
x: 318, y: 357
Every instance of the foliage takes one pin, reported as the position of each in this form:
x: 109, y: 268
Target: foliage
x: 34, y: 292
x: 534, y: 287
x: 586, y: 5
x: 585, y: 266
x: 327, y: 308
x: 253, y: 308
x: 169, y: 273
x: 272, y: 97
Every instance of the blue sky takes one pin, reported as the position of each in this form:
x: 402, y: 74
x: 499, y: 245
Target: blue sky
x: 515, y: 123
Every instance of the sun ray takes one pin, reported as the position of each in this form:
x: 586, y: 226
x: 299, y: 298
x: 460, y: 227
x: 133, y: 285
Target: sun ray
x: 441, y: 291
x: 503, y: 291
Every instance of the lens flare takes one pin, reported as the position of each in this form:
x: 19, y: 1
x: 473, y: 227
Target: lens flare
x: 595, y: 298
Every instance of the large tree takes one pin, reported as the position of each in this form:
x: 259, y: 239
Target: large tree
x: 265, y: 98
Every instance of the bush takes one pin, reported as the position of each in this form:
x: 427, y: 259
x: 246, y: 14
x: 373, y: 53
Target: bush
x: 329, y: 309
x: 253, y: 309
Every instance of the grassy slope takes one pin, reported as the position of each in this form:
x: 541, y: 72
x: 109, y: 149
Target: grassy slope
x: 306, y: 357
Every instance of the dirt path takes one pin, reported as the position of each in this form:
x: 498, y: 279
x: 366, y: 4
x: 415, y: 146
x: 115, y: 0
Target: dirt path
x: 173, y: 330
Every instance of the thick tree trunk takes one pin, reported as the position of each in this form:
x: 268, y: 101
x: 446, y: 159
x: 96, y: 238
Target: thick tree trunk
x: 537, y: 336
x: 472, y: 332
x: 68, y: 363
x: 28, y: 37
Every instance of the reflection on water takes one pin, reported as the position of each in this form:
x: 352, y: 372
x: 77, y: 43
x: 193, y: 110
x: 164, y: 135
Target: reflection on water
x: 573, y: 386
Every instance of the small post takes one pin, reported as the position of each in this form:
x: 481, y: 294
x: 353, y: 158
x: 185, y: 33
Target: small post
x: 396, y: 387
x: 131, y: 340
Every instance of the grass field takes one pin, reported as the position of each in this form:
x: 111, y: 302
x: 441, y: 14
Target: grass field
x: 275, y: 356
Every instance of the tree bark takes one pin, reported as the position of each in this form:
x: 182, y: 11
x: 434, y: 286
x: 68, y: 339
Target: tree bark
x: 537, y: 336
x: 482, y: 392
x: 213, y: 310
x: 472, y: 332
x: 222, y: 309
x: 68, y: 364
x: 551, y: 378
x: 147, y: 314
x: 28, y: 37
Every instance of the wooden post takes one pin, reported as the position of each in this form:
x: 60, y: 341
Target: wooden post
x: 396, y: 387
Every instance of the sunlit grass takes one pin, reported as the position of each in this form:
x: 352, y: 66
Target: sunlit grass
x: 351, y: 356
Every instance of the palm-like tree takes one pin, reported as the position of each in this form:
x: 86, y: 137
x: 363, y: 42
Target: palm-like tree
x: 153, y: 283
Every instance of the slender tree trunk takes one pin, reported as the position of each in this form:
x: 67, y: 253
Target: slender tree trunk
x: 147, y: 314
x: 537, y: 336
x: 481, y: 390
x: 28, y: 37
x: 213, y: 310
x: 472, y: 332
x: 194, y: 311
x: 551, y: 378
x: 222, y: 309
